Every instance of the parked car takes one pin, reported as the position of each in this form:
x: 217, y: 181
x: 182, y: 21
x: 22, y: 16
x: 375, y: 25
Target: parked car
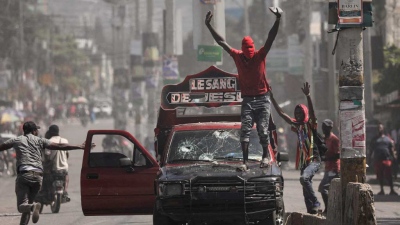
x: 194, y: 177
x: 102, y: 109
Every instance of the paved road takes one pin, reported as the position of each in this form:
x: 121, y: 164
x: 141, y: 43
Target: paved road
x: 387, y: 207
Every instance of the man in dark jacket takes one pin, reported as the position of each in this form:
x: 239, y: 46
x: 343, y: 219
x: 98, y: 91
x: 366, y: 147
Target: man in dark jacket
x: 29, y: 149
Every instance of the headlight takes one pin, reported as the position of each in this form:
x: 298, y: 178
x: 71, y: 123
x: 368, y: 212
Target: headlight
x: 170, y: 189
x: 265, y: 187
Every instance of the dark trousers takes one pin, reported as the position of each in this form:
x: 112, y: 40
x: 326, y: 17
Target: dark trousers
x: 256, y: 110
x: 27, y: 185
x: 307, y: 174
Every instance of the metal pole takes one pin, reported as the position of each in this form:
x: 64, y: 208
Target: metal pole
x: 21, y: 38
x: 369, y: 105
x: 332, y: 81
x: 246, y: 18
x: 308, y: 47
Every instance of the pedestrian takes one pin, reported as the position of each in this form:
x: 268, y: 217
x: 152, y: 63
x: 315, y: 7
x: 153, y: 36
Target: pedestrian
x: 29, y: 149
x: 256, y: 103
x: 308, y: 159
x: 331, y: 159
x: 58, y: 159
x: 382, y: 152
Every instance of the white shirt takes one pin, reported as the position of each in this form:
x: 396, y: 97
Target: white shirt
x: 59, y: 157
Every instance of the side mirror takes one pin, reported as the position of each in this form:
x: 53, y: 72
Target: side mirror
x: 125, y: 162
x: 282, y: 157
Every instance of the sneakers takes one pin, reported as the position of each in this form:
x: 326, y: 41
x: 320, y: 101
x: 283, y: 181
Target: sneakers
x: 264, y: 163
x: 66, y: 197
x: 36, y: 210
x: 392, y: 192
x: 243, y: 168
x: 315, y: 208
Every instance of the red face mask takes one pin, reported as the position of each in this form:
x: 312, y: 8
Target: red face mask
x: 248, y: 47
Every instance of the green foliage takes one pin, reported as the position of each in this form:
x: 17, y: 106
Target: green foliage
x: 70, y: 63
x: 389, y: 80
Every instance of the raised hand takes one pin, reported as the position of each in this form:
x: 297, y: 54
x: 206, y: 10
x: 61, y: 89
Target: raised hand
x: 208, y: 17
x: 277, y: 11
x: 306, y: 89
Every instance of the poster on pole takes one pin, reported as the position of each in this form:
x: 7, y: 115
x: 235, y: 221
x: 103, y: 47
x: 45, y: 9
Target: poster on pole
x: 350, y: 13
x: 352, y: 132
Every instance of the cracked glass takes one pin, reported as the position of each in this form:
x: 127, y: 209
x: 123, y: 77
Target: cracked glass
x: 211, y: 145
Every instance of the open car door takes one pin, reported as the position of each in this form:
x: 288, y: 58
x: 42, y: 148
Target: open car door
x: 117, y: 176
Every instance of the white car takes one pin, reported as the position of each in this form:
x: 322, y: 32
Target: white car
x: 102, y: 109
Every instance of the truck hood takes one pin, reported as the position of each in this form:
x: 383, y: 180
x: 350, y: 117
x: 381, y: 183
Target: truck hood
x: 190, y: 171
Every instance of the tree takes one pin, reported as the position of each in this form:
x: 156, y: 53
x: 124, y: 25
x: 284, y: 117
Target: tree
x: 71, y: 64
x: 389, y: 79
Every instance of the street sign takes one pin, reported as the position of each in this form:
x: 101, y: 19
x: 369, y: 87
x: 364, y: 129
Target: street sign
x: 350, y: 12
x: 209, y: 53
x: 170, y: 68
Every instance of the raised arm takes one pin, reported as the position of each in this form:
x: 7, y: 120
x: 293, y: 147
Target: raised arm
x: 5, y: 146
x: 217, y: 37
x: 306, y: 91
x: 61, y: 146
x: 280, y: 111
x: 274, y: 30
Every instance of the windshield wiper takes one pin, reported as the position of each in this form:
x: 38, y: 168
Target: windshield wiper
x: 235, y: 158
x: 187, y: 160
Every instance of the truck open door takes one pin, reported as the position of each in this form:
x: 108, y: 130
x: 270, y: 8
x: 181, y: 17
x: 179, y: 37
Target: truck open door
x: 117, y: 176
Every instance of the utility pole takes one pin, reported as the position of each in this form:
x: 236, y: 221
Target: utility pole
x: 369, y: 106
x: 332, y: 82
x: 21, y: 39
x: 246, y: 18
x: 308, y: 48
x: 120, y: 72
x: 351, y: 19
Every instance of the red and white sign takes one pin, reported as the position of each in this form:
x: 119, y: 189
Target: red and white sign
x: 352, y: 124
x: 350, y: 12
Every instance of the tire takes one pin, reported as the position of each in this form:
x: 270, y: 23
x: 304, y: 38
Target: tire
x: 276, y: 217
x: 56, y: 204
x: 159, y: 219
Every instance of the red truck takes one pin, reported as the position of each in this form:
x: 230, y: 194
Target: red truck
x: 194, y: 178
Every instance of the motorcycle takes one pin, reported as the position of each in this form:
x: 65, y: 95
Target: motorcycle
x: 52, y: 192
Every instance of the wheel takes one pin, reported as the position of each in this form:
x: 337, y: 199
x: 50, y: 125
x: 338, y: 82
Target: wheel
x: 280, y: 214
x: 276, y: 217
x: 159, y: 219
x: 55, y: 205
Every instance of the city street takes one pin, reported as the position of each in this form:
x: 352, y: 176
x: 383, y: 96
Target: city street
x: 387, y: 207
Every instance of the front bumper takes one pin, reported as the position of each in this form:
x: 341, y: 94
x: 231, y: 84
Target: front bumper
x: 225, y: 200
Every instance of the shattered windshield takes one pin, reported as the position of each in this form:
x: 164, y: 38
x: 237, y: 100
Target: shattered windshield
x: 211, y: 145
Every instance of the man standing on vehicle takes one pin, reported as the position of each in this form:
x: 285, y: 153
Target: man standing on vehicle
x: 308, y: 159
x: 256, y: 104
x: 58, y: 159
x: 29, y: 149
x: 332, y: 160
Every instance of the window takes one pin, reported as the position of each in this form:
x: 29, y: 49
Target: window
x: 109, y: 150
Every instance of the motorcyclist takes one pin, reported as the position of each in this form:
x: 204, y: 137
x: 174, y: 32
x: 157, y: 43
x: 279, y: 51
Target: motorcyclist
x: 57, y: 161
